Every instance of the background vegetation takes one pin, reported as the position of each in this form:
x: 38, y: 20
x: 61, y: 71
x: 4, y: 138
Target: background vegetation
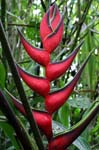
x: 81, y: 22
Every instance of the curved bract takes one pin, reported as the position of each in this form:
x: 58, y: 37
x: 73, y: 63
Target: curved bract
x: 39, y: 55
x: 49, y: 21
x: 62, y: 141
x: 51, y: 29
x: 43, y: 119
x: 39, y: 84
x: 56, y: 99
x: 55, y: 70
x: 51, y: 41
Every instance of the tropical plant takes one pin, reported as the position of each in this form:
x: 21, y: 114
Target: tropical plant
x: 51, y: 31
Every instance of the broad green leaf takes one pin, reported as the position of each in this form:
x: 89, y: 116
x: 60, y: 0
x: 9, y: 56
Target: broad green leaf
x: 9, y: 131
x: 81, y: 143
x: 64, y: 115
x: 80, y: 102
x: 57, y: 127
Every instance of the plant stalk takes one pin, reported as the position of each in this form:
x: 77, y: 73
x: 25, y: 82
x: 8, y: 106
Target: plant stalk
x: 20, y: 131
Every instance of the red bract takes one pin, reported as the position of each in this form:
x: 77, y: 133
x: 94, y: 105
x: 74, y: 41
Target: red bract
x: 38, y: 84
x: 55, y: 70
x: 51, y: 29
x: 49, y: 21
x: 53, y: 39
x: 63, y: 140
x: 39, y: 55
x: 56, y: 99
x: 43, y: 119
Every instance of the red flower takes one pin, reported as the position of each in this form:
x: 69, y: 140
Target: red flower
x: 42, y: 118
x: 39, y: 55
x: 62, y: 141
x: 39, y: 84
x: 55, y: 70
x: 56, y: 99
x: 51, y: 29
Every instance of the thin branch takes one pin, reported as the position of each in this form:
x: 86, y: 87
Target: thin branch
x: 79, y: 9
x: 68, y: 20
x: 21, y: 25
x: 43, y: 5
x: 61, y: 3
x: 7, y: 51
x: 81, y: 23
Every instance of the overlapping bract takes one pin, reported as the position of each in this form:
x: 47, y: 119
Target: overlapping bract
x: 55, y: 70
x: 56, y: 99
x: 51, y: 31
x: 62, y: 141
x: 39, y: 55
x: 38, y: 84
x: 42, y: 118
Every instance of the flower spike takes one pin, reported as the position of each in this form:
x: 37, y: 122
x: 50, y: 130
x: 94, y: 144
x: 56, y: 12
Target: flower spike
x: 39, y: 55
x: 54, y: 17
x: 49, y: 21
x: 55, y: 100
x: 38, y: 84
x: 55, y: 70
x: 43, y: 119
x: 46, y: 26
x: 51, y: 41
x: 62, y: 141
x: 51, y: 27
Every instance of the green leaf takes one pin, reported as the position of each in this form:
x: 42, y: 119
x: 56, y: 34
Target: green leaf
x: 2, y: 75
x: 81, y: 143
x: 80, y: 102
x: 57, y: 127
x: 9, y: 131
x: 64, y: 115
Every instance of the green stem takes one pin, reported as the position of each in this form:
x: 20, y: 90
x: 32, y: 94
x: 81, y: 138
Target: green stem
x: 3, y: 11
x: 3, y: 14
x: 7, y: 51
x: 18, y: 127
x: 43, y: 5
x: 79, y: 9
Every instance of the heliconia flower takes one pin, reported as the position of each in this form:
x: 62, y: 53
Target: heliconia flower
x: 49, y: 21
x: 42, y: 118
x: 39, y: 84
x: 55, y: 70
x: 51, y: 29
x: 39, y: 55
x: 55, y: 100
x: 62, y: 141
